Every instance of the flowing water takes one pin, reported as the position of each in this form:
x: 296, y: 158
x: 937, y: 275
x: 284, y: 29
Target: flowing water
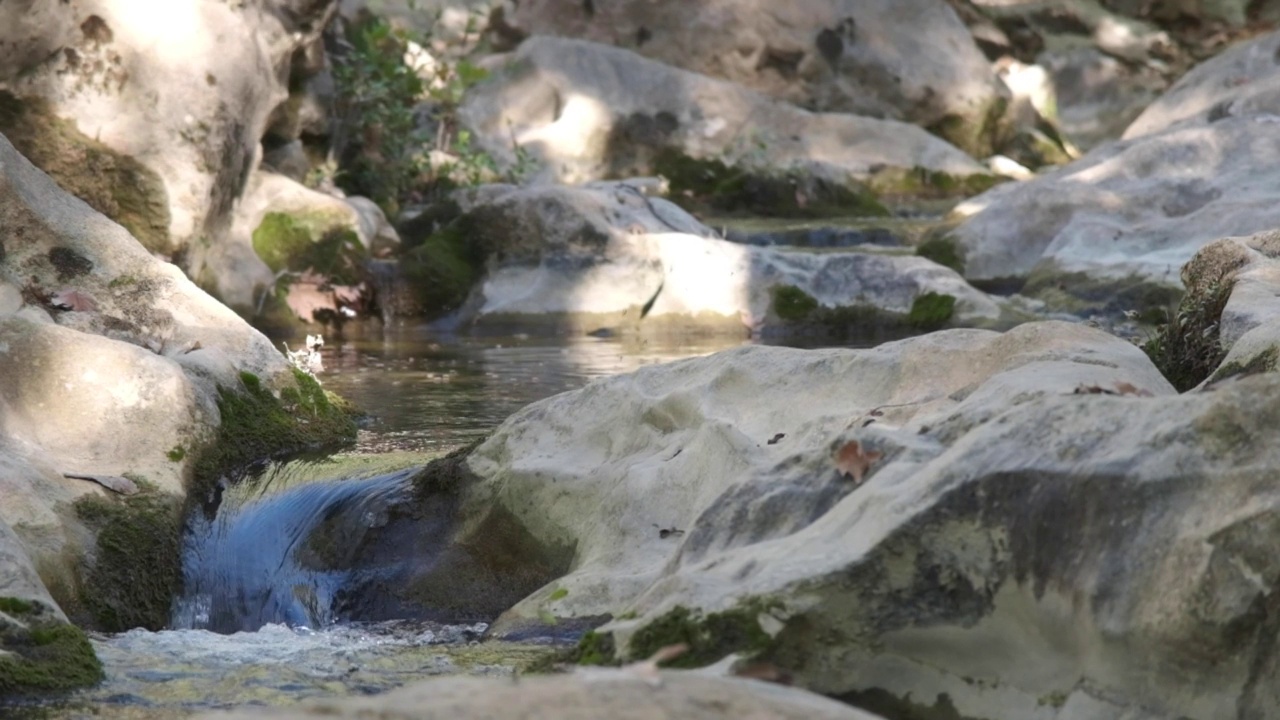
x: 253, y: 626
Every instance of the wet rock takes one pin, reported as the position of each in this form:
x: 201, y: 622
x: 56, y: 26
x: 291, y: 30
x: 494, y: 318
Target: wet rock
x: 589, y: 111
x: 621, y: 694
x: 910, y: 61
x: 609, y: 256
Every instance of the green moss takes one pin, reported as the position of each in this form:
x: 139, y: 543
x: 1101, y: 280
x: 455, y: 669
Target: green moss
x: 1082, y: 294
x: 444, y: 267
x: 1187, y: 348
x: 792, y: 304
x: 730, y: 189
x: 978, y: 133
x: 922, y: 183
x: 115, y: 185
x: 944, y: 250
x: 122, y: 281
x: 297, y: 243
x: 1266, y: 361
x: 559, y: 594
x: 136, y: 567
x: 177, y: 454
x: 708, y: 637
x: 16, y: 606
x: 931, y: 311
x: 595, y: 649
x: 257, y: 425
x: 43, y: 656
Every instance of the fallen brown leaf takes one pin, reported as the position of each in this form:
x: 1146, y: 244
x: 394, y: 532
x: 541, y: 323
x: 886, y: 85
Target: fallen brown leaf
x: 648, y: 669
x: 1128, y: 388
x: 853, y: 461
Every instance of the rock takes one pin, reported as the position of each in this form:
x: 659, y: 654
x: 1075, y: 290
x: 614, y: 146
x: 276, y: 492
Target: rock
x: 382, y: 236
x: 1110, y: 231
x: 40, y: 652
x: 10, y: 299
x: 1040, y: 480
x: 152, y: 112
x: 589, y: 111
x: 608, y: 256
x: 1240, y: 82
x: 619, y: 694
x: 30, y: 32
x: 910, y: 61
x: 302, y: 239
x: 1097, y: 95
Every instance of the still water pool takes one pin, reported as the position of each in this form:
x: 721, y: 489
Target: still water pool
x: 426, y: 395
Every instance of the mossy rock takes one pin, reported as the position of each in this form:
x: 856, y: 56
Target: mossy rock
x: 115, y: 185
x: 709, y: 637
x: 136, y: 566
x: 792, y: 304
x: 40, y: 654
x: 723, y: 188
x: 981, y: 138
x: 1082, y: 294
x: 922, y: 183
x: 944, y: 250
x: 444, y: 264
x: 300, y: 242
x: 1264, y: 362
x: 257, y: 425
x: 1188, y: 347
x: 931, y: 311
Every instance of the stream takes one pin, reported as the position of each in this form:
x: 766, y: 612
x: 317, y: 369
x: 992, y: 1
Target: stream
x: 252, y: 627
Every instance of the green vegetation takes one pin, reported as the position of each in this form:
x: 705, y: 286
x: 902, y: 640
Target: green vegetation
x: 444, y: 267
x: 288, y: 243
x: 709, y: 637
x: 931, y: 311
x: 1186, y: 349
x: 944, y: 250
x: 115, y: 185
x: 920, y: 183
x: 559, y: 594
x: 136, y: 568
x: 595, y: 649
x: 792, y: 304
x: 1266, y: 361
x: 257, y: 425
x: 177, y: 454
x: 731, y: 189
x: 42, y: 655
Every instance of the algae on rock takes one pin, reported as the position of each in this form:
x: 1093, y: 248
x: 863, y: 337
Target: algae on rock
x: 39, y: 654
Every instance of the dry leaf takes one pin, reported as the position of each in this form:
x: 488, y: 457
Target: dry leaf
x: 648, y: 669
x: 194, y: 347
x: 74, y: 300
x: 853, y: 461
x: 114, y: 483
x: 1127, y: 388
x: 763, y: 672
x: 1121, y: 388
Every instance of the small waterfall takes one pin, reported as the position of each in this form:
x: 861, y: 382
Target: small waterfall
x: 256, y: 562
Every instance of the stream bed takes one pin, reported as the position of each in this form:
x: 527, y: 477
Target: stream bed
x: 426, y: 395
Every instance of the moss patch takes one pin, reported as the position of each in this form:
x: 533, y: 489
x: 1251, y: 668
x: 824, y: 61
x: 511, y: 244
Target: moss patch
x: 931, y: 311
x: 258, y: 425
x: 1187, y: 348
x: 115, y: 185
x: 944, y: 250
x: 1080, y: 294
x: 709, y: 637
x: 294, y: 243
x: 595, y: 649
x: 792, y: 304
x: 1266, y: 361
x: 921, y: 183
x: 729, y: 189
x: 44, y: 655
x: 136, y: 567
x: 445, y: 265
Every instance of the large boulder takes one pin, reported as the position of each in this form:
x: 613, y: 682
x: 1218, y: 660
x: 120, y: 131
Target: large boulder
x: 1029, y: 524
x: 911, y: 61
x: 610, y: 256
x: 589, y: 111
x: 627, y: 694
x: 116, y: 369
x: 153, y: 111
x: 1111, y: 230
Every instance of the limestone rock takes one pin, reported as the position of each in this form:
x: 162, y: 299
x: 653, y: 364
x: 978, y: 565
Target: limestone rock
x: 173, y: 96
x: 1114, y: 227
x: 910, y: 61
x: 589, y: 111
x: 618, y: 694
x: 608, y: 256
x: 1240, y: 82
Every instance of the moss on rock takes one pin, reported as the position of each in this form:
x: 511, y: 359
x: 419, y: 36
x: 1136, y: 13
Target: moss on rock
x: 257, y: 425
x: 115, y: 185
x: 931, y: 311
x: 299, y: 242
x: 136, y: 566
x: 1187, y: 348
x: 792, y: 304
x: 443, y: 268
x: 729, y: 189
x: 944, y: 250
x: 709, y: 637
x: 40, y: 654
x: 1266, y: 361
x: 922, y: 183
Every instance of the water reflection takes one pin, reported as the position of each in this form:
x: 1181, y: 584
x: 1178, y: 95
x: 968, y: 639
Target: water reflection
x: 430, y: 393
